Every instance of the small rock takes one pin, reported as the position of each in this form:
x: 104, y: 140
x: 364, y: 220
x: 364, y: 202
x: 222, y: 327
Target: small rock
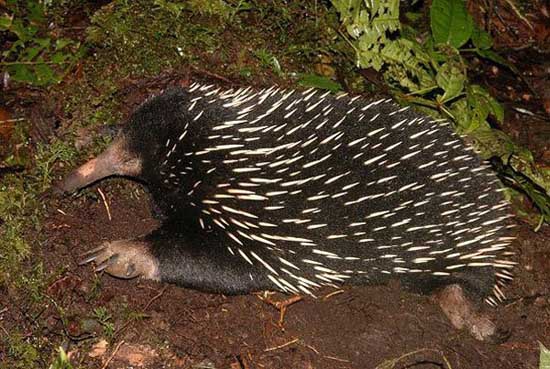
x: 136, y: 355
x: 98, y: 349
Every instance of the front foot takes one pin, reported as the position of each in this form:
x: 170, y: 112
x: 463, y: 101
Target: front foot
x: 124, y: 259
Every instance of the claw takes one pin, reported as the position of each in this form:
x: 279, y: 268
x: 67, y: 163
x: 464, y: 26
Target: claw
x: 106, y: 263
x: 123, y: 259
x: 87, y: 260
x: 93, y: 251
x: 92, y: 254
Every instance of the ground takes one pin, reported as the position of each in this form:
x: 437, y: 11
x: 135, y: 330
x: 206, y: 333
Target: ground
x: 48, y: 301
x: 352, y: 327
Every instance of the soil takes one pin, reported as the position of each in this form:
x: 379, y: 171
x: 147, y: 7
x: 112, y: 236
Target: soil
x: 103, y: 322
x: 353, y: 327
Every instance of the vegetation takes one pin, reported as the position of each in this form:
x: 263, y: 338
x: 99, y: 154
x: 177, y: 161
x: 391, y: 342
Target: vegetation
x: 62, y: 361
x: 36, y: 56
x: 130, y: 41
x: 430, y: 70
x: 252, y: 41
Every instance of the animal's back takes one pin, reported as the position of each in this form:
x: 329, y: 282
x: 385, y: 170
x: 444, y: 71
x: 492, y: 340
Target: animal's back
x: 316, y: 189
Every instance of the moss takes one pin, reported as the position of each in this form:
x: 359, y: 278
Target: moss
x: 20, y: 205
x: 24, y: 353
x: 21, y: 210
x: 249, y: 42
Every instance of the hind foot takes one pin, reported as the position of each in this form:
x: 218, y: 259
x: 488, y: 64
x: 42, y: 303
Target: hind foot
x: 463, y: 314
x: 124, y: 259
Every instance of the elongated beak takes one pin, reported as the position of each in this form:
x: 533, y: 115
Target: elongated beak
x: 115, y: 160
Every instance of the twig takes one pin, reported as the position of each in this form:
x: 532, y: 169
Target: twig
x: 211, y: 74
x: 112, y: 355
x: 105, y: 203
x: 282, y: 305
x: 336, y: 359
x: 12, y: 120
x: 155, y: 298
x: 333, y: 294
x: 281, y: 346
x: 518, y: 13
x: 393, y: 362
x: 313, y: 349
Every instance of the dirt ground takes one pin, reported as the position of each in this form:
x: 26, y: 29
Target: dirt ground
x: 158, y: 325
x: 103, y: 322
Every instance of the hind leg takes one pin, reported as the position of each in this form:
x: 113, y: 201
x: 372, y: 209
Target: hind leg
x: 463, y: 314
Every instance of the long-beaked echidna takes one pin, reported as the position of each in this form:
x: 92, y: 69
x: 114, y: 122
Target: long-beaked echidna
x: 293, y: 190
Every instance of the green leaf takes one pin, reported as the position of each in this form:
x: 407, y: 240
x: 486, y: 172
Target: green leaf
x: 5, y: 22
x: 45, y: 75
x: 35, y: 11
x: 544, y: 357
x: 481, y: 39
x: 31, y: 52
x: 493, y: 143
x: 61, y: 43
x: 59, y: 57
x: 479, y: 98
x: 450, y: 77
x: 450, y: 22
x: 61, y: 361
x: 407, y: 65
x: 43, y: 42
x: 461, y: 114
x: 320, y: 82
x: 524, y: 176
x: 413, y: 16
x: 22, y: 32
x: 22, y: 73
x: 494, y: 57
x: 496, y: 109
x: 173, y: 8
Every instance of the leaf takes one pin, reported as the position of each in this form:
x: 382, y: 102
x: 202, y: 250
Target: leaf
x: 61, y: 43
x: 35, y: 12
x: 369, y: 23
x: 493, y: 143
x: 320, y: 82
x: 450, y: 22
x: 481, y: 39
x: 544, y: 357
x: 42, y: 42
x: 481, y: 99
x: 21, y: 72
x: 413, y: 16
x: 45, y: 75
x: 22, y: 32
x: 408, y: 66
x: 461, y: 114
x: 494, y: 57
x: 59, y: 58
x: 451, y: 79
x: 5, y: 22
x: 173, y: 8
x: 30, y: 53
x: 522, y: 177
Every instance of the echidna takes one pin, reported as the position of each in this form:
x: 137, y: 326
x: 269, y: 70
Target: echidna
x: 292, y: 190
